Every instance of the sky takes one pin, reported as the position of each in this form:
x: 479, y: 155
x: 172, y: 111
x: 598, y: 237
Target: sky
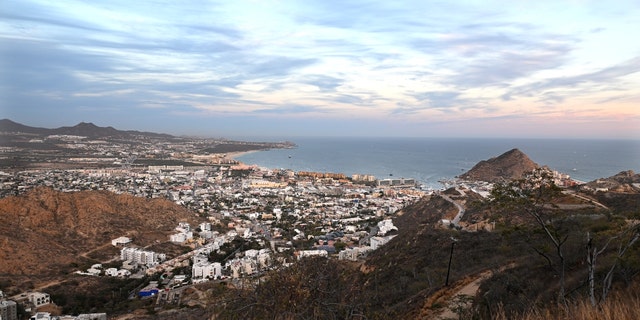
x: 516, y: 69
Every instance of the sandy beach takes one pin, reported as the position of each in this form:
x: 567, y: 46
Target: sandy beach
x: 236, y: 155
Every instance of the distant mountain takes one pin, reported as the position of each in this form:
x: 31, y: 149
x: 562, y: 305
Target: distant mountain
x: 7, y: 125
x: 89, y: 130
x: 82, y: 129
x: 510, y: 165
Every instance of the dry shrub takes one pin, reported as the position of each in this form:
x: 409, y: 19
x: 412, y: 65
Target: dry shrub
x: 623, y: 305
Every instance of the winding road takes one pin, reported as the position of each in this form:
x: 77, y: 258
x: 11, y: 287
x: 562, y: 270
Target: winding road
x: 460, y: 208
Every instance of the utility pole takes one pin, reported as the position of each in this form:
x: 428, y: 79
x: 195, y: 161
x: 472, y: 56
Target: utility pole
x: 446, y: 284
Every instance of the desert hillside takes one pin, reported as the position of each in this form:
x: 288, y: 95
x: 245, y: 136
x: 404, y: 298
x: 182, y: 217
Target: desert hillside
x: 44, y: 231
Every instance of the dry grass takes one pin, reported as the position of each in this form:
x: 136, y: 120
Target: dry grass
x: 624, y: 305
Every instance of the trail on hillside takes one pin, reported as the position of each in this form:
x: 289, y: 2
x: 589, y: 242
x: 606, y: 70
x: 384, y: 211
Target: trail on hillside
x: 463, y: 290
x: 457, y: 297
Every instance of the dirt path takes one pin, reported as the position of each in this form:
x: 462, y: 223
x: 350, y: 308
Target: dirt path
x: 38, y: 288
x: 448, y: 296
x: 86, y: 254
x: 464, y: 290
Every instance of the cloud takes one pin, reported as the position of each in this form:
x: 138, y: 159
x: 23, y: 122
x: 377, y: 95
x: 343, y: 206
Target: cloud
x: 439, y: 99
x: 290, y: 109
x: 498, y: 59
x: 50, y: 20
x: 360, y: 60
x: 324, y: 83
x: 588, y: 81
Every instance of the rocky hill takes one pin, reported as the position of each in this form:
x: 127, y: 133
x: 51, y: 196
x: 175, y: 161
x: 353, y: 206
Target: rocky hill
x: 512, y: 164
x: 625, y: 181
x: 44, y: 231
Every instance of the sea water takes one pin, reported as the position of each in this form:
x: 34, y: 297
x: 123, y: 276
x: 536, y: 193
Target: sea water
x: 431, y: 160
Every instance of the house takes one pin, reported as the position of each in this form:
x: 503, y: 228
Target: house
x: 39, y: 299
x: 111, y: 272
x: 41, y: 316
x: 178, y: 237
x: 120, y: 241
x: 183, y: 227
x: 123, y: 273
x: 205, y: 226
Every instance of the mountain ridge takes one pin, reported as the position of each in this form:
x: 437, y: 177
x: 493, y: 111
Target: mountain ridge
x: 87, y: 129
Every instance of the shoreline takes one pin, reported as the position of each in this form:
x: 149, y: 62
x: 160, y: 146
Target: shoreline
x: 237, y: 154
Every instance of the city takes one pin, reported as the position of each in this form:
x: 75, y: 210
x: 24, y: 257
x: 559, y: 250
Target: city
x: 251, y: 219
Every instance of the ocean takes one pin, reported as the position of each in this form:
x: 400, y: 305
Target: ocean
x: 430, y: 160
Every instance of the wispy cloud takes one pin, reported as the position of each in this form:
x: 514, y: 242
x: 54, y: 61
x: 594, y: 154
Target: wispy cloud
x: 358, y: 61
x: 610, y: 76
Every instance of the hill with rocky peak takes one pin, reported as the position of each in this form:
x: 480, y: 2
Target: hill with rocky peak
x: 510, y: 165
x: 44, y: 231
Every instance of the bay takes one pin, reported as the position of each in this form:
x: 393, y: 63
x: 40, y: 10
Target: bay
x: 429, y: 160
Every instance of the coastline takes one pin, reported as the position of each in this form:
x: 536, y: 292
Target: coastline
x: 237, y: 154
x: 431, y: 160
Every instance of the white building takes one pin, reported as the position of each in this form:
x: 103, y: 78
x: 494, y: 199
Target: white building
x: 312, y: 253
x: 211, y: 270
x: 251, y: 253
x: 385, y: 226
x: 183, y: 227
x: 111, y: 272
x: 377, y: 242
x: 143, y: 257
x: 8, y: 310
x: 181, y: 237
x: 201, y: 257
x: 39, y: 299
x: 205, y: 226
x: 120, y: 241
x: 264, y: 259
x: 249, y: 266
x: 353, y: 253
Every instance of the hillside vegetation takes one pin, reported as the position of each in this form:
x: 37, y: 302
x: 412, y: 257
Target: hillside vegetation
x: 543, y: 260
x: 46, y: 234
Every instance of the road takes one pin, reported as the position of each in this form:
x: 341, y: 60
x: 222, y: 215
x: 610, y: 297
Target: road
x: 579, y: 196
x: 458, y: 216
